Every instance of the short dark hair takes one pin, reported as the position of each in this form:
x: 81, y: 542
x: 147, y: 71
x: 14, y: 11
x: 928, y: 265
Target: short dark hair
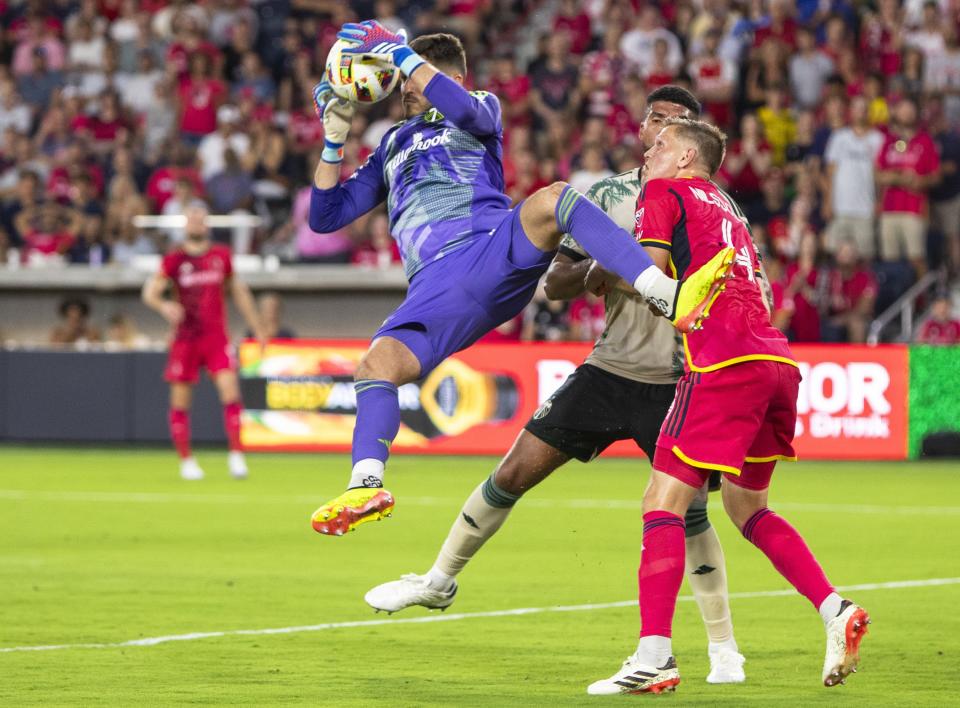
x: 71, y: 301
x: 678, y: 95
x: 710, y: 141
x: 444, y: 51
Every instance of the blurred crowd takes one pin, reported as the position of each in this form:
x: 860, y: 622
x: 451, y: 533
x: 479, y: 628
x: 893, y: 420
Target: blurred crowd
x: 842, y: 118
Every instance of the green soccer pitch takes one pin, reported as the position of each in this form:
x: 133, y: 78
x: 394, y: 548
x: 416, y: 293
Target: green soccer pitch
x: 219, y: 592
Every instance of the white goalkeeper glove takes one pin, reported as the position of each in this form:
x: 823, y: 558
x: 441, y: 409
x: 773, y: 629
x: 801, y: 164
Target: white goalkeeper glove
x: 336, y: 115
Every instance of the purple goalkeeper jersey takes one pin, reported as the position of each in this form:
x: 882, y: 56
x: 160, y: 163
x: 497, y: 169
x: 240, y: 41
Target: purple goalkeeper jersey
x: 441, y: 174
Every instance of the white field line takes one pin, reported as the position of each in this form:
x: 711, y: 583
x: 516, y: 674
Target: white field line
x: 540, y: 503
x: 153, y: 641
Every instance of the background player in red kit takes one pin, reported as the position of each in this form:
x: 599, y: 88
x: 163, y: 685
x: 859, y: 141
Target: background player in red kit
x: 734, y: 411
x: 201, y: 272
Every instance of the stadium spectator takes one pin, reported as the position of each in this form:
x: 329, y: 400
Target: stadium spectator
x: 714, y: 80
x: 27, y: 198
x: 89, y: 246
x: 779, y: 125
x: 39, y: 82
x: 122, y: 333
x: 39, y: 41
x: 804, y: 288
x: 14, y: 113
x: 907, y: 166
x: 74, y: 326
x: 48, y: 230
x: 593, y: 168
x: 554, y: 94
x: 809, y: 69
x: 229, y: 134
x: 312, y: 247
x: 638, y: 44
x: 748, y: 161
x: 572, y: 20
x: 181, y: 166
x: 941, y: 327
x: 184, y: 197
x: 849, y: 200
x: 270, y: 306
x: 852, y: 292
x: 200, y: 95
x: 945, y: 196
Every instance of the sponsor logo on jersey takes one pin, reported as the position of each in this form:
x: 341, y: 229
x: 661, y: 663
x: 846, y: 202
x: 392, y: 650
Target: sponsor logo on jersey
x: 419, y: 145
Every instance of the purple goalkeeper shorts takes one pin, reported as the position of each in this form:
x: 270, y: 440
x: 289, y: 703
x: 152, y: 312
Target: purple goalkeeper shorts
x: 454, y: 301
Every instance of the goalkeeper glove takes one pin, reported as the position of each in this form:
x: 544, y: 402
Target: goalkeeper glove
x: 336, y: 115
x: 373, y: 39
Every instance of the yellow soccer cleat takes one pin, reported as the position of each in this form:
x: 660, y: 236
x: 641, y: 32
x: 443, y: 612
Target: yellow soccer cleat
x: 698, y: 291
x: 352, y: 508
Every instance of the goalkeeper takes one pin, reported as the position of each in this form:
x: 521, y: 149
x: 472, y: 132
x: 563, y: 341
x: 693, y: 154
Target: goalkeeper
x: 472, y: 261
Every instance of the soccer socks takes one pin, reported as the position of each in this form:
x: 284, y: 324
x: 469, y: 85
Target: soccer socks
x: 788, y: 552
x: 613, y: 247
x: 706, y: 571
x: 661, y: 573
x: 482, y: 515
x: 231, y: 423
x: 378, y: 421
x: 179, y: 421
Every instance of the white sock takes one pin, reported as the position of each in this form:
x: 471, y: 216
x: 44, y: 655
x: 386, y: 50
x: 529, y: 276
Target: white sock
x: 730, y: 644
x: 654, y: 650
x: 658, y: 289
x: 830, y: 607
x: 439, y: 580
x: 367, y: 473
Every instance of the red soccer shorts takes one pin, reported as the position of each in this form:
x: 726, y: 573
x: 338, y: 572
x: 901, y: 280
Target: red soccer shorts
x: 739, y: 419
x: 213, y: 352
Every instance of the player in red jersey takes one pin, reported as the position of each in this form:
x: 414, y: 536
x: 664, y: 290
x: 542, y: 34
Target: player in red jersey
x: 734, y: 411
x: 201, y: 272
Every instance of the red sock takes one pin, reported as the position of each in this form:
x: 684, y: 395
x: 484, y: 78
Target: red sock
x: 661, y: 572
x: 788, y: 552
x: 231, y: 423
x: 180, y: 431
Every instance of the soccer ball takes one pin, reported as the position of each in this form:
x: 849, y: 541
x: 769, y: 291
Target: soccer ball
x: 359, y: 78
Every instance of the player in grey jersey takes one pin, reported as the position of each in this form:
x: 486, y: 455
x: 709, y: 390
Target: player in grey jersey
x: 622, y: 391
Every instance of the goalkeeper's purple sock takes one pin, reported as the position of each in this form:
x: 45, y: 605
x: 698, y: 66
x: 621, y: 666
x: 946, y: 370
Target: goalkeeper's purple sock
x: 614, y: 248
x: 378, y: 420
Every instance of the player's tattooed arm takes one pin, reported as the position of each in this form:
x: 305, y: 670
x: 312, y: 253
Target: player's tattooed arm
x: 152, y: 296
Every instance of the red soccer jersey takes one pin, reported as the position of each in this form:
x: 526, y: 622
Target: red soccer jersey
x: 694, y: 219
x: 200, y: 282
x: 934, y: 332
x: 919, y: 154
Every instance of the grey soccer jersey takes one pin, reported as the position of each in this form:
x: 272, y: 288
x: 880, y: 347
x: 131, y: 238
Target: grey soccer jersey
x: 635, y: 344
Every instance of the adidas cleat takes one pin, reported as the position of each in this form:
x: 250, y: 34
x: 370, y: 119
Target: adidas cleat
x: 354, y: 507
x: 844, y: 634
x: 410, y: 590
x: 635, y: 678
x: 697, y: 292
x: 726, y: 666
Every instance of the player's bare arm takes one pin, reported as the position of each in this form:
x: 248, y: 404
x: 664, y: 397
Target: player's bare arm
x: 153, y: 297
x: 243, y: 299
x: 566, y: 278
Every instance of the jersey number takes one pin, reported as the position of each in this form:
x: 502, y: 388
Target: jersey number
x: 744, y: 256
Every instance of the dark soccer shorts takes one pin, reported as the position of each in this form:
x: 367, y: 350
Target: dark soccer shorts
x: 594, y: 408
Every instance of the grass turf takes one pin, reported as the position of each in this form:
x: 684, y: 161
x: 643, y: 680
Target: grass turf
x: 105, y: 546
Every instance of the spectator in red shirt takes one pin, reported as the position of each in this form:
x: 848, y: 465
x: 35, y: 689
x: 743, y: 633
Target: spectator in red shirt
x: 852, y: 292
x: 907, y: 166
x: 49, y: 229
x: 747, y: 163
x: 161, y: 182
x: 714, y: 79
x: 200, y: 95
x: 576, y: 23
x: 803, y: 289
x: 942, y: 327
x: 777, y: 25
x: 381, y: 250
x: 512, y: 89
